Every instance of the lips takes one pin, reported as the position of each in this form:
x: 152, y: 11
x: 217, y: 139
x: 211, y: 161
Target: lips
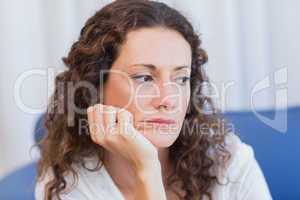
x: 161, y: 121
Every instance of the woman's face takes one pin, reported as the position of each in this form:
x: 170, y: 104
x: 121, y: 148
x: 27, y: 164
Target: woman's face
x: 150, y: 78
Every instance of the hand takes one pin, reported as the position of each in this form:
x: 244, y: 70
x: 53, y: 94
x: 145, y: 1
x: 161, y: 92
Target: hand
x: 112, y: 128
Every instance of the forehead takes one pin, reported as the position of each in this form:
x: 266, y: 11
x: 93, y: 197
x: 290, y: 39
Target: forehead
x: 157, y: 46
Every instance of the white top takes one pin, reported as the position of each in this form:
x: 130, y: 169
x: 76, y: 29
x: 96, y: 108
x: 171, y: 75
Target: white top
x: 249, y: 182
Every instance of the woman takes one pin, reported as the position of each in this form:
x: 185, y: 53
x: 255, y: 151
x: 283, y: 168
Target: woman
x: 129, y: 128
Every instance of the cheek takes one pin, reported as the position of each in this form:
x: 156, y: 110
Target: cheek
x: 118, y: 92
x: 142, y: 97
x: 185, y: 98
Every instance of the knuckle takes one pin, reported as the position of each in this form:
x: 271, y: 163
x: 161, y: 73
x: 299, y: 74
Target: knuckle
x: 98, y: 108
x: 125, y: 113
x: 90, y: 109
x: 111, y: 110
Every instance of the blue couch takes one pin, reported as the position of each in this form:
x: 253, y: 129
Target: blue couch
x: 277, y: 153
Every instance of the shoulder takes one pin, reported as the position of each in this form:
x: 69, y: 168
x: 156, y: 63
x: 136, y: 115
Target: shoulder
x: 242, y: 156
x: 242, y: 177
x: 87, y: 185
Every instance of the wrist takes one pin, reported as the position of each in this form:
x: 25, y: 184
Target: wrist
x: 149, y: 183
x: 149, y: 169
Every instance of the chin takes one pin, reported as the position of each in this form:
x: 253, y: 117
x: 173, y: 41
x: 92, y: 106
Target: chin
x: 161, y: 139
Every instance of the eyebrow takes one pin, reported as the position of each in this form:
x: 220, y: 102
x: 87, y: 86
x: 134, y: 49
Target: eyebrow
x: 153, y: 67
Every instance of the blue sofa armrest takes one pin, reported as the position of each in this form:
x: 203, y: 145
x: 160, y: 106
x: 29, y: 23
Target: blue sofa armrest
x: 277, y: 153
x: 20, y: 184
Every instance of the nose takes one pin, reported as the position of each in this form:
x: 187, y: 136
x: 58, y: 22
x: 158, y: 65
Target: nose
x: 167, y: 97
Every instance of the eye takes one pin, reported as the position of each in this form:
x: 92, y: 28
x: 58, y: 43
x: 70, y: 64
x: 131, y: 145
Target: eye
x: 143, y: 78
x: 183, y: 80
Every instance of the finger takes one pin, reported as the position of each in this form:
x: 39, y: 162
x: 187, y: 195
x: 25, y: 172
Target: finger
x: 109, y: 116
x: 91, y: 121
x: 125, y: 120
x: 99, y: 123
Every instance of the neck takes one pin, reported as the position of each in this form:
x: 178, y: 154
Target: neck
x: 122, y: 173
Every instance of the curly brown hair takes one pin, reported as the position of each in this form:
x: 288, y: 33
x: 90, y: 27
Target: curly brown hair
x: 195, y: 152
